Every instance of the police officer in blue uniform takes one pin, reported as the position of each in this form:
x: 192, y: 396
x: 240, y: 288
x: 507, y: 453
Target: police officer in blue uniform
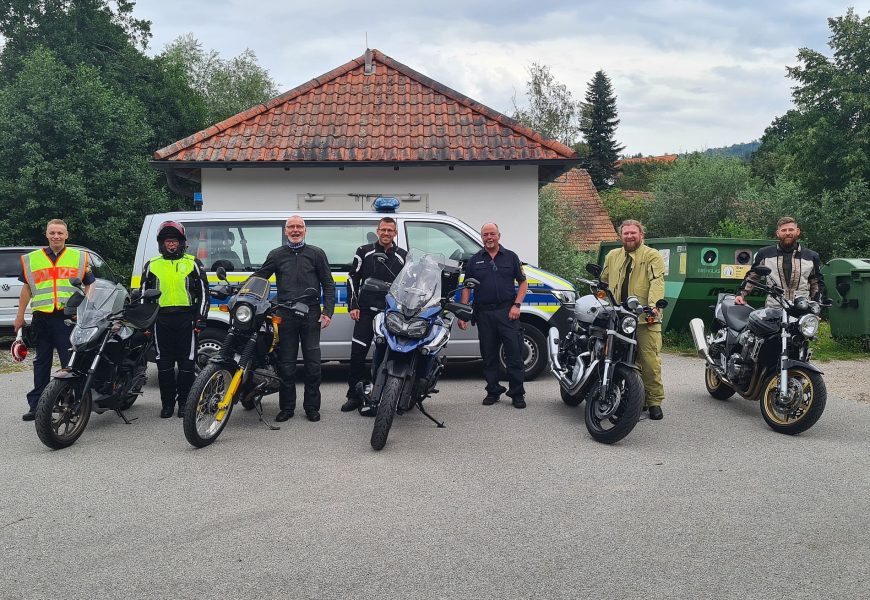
x: 496, y: 306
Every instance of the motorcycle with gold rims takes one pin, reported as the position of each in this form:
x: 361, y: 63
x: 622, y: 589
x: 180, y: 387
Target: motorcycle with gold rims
x: 764, y: 355
x: 246, y: 368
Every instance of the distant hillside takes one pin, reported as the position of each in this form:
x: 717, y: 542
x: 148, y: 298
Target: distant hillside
x: 742, y: 151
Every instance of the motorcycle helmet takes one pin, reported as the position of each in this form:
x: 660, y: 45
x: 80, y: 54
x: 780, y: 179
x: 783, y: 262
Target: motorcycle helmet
x: 171, y: 229
x: 19, y: 347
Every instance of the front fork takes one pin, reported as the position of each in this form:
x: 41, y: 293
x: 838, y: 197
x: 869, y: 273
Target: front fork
x: 244, y: 362
x: 608, y: 368
x: 783, y: 358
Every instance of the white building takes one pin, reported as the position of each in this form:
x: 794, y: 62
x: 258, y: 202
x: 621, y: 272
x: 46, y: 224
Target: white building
x: 374, y: 127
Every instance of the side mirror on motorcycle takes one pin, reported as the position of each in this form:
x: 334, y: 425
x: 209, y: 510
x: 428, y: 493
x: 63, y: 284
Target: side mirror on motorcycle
x: 221, y: 291
x: 826, y: 303
x: 471, y: 283
x: 380, y: 257
x: 662, y: 304
x: 593, y: 269
x: 761, y: 270
x: 375, y: 286
x: 463, y: 311
x: 151, y: 295
x: 221, y: 273
x: 73, y: 303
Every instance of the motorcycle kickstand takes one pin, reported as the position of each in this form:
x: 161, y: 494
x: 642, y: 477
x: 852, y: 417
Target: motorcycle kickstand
x: 430, y: 417
x: 124, y: 417
x: 258, y: 406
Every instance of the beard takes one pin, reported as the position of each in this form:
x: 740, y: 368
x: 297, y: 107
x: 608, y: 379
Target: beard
x: 631, y: 246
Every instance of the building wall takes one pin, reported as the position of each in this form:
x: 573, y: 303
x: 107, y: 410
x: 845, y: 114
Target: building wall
x: 474, y: 194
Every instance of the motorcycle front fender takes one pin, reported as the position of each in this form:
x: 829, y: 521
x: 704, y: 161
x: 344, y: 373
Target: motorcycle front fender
x: 629, y: 365
x: 229, y: 363
x: 799, y: 364
x: 398, y: 365
x: 67, y: 374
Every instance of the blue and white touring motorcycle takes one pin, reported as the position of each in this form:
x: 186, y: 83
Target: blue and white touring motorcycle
x: 410, y: 335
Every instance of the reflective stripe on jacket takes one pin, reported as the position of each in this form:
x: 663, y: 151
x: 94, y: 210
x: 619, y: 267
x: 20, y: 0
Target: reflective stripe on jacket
x: 49, y: 281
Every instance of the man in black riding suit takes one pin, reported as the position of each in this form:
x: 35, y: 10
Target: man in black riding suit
x: 793, y: 268
x: 184, y: 304
x: 363, y: 307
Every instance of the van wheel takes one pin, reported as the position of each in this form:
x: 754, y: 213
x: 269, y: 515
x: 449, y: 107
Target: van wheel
x: 534, y: 350
x: 208, y: 344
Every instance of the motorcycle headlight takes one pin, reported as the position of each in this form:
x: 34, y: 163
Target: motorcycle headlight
x: 410, y: 328
x: 808, y: 325
x: 82, y: 335
x: 244, y: 313
x: 628, y: 325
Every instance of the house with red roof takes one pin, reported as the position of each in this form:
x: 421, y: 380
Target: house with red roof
x: 369, y: 128
x: 579, y: 196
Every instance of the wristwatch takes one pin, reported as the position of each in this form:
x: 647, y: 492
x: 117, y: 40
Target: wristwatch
x: 517, y: 304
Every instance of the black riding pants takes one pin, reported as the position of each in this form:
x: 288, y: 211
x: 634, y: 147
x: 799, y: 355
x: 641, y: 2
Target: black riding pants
x: 363, y: 333
x: 51, y: 334
x: 175, y: 344
x: 293, y: 333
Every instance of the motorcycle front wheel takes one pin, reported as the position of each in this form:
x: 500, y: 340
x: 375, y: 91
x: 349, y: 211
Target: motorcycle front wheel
x: 386, y: 412
x: 201, y: 424
x: 62, y: 415
x: 611, y: 418
x: 807, y: 396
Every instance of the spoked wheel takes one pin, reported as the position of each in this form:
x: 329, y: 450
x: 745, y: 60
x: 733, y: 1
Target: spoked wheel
x: 715, y: 386
x: 386, y: 412
x: 203, y: 418
x: 62, y: 415
x: 801, y: 408
x: 612, y: 418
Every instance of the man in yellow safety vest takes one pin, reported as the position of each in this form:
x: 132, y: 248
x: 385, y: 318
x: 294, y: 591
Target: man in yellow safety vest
x: 46, y: 275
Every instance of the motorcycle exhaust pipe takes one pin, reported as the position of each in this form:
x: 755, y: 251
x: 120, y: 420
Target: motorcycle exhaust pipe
x: 696, y: 326
x: 553, y: 357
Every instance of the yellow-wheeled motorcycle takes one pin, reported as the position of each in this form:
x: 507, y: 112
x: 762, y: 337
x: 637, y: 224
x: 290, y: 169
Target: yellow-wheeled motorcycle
x: 246, y: 368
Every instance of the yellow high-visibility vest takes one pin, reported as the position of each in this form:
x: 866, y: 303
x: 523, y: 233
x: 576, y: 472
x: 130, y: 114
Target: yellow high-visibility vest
x: 50, y: 281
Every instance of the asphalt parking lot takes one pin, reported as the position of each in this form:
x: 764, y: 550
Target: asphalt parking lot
x: 502, y: 503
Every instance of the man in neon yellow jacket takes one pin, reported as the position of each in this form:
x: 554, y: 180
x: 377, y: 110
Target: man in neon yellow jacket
x: 46, y: 275
x: 638, y: 270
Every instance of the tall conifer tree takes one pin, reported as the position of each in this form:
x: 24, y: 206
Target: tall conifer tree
x: 598, y: 125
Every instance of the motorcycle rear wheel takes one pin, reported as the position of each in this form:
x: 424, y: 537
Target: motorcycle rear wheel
x: 386, y: 411
x: 715, y: 386
x: 810, y: 395
x: 569, y: 399
x: 58, y: 425
x: 608, y: 425
x: 201, y: 427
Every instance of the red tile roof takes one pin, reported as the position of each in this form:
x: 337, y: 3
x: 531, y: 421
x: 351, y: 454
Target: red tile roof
x: 664, y: 158
x: 394, y: 115
x: 593, y: 223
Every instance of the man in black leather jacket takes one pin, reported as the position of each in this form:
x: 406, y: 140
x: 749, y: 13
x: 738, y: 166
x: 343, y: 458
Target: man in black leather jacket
x: 363, y: 306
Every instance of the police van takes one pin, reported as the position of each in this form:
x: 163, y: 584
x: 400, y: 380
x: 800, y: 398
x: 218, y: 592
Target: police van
x: 239, y: 241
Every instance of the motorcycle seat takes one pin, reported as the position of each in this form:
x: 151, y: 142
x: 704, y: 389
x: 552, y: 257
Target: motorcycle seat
x: 736, y: 315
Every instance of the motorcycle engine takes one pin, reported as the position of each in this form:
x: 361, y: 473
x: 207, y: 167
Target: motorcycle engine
x: 750, y: 344
x: 738, y: 371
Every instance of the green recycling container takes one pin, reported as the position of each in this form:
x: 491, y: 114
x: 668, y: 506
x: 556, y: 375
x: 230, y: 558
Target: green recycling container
x: 847, y: 281
x: 697, y: 270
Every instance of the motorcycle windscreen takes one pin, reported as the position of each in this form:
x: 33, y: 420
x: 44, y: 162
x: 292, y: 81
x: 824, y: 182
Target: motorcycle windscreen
x: 102, y: 299
x: 418, y: 284
x: 255, y: 289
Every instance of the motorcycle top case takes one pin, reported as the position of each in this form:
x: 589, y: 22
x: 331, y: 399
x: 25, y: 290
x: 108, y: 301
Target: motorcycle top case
x: 765, y: 321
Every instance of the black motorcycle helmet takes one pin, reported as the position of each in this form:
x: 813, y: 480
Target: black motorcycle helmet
x: 171, y: 229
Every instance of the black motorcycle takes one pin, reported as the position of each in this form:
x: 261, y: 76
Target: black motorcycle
x: 246, y: 368
x: 110, y: 343
x: 764, y: 355
x: 595, y: 359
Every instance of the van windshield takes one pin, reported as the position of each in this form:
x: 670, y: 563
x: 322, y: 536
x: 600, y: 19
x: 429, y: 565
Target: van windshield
x: 441, y: 238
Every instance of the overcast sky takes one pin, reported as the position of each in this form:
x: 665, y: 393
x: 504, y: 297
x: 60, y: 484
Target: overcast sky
x: 688, y: 75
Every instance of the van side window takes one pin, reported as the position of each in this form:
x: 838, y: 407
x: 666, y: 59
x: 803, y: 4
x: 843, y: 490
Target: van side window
x: 441, y: 238
x: 99, y: 268
x: 232, y: 245
x: 340, y: 239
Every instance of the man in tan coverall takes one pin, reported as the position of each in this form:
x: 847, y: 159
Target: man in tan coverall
x: 638, y: 270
